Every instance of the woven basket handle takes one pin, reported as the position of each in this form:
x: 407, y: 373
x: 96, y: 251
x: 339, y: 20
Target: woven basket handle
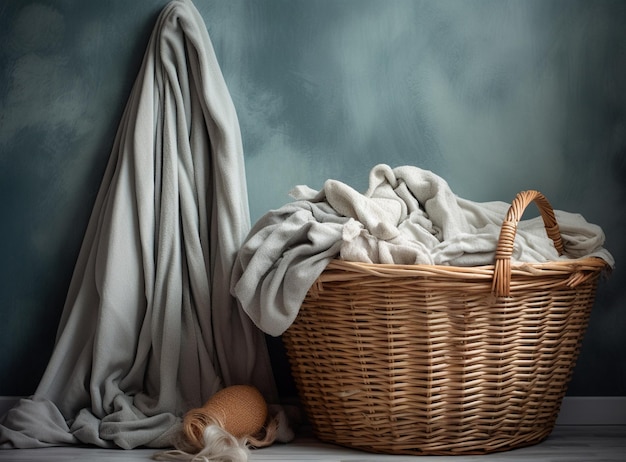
x: 501, y: 285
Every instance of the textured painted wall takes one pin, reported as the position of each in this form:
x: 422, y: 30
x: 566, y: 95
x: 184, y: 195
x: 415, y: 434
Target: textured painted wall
x: 495, y: 96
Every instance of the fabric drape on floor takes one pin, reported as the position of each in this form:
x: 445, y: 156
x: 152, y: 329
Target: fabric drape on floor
x: 149, y: 328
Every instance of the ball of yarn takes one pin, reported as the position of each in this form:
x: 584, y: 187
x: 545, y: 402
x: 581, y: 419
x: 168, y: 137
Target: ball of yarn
x: 241, y: 410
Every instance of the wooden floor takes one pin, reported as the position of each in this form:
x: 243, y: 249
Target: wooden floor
x: 566, y: 444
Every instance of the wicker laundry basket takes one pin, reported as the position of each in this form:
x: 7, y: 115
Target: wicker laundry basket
x: 445, y: 360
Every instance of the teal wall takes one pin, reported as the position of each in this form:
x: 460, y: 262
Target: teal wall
x: 496, y: 96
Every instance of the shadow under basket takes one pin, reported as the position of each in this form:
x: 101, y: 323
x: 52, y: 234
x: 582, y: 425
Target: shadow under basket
x: 428, y: 359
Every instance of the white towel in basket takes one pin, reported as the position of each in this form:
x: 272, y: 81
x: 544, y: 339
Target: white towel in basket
x: 407, y: 216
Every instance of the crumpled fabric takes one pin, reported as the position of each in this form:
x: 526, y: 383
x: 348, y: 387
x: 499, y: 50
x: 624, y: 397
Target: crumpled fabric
x: 407, y: 216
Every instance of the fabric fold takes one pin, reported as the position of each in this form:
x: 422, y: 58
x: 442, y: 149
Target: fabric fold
x: 149, y: 328
x: 407, y: 216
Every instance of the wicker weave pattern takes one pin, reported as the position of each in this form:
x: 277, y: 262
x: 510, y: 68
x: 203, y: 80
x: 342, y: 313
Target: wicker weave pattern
x: 428, y: 360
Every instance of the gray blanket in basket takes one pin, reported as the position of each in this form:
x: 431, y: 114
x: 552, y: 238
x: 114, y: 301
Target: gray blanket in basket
x: 407, y: 216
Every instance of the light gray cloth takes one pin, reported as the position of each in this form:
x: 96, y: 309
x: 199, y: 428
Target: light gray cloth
x: 149, y: 329
x: 407, y: 216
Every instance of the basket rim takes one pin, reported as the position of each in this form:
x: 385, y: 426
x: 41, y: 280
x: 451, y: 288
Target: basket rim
x: 342, y: 270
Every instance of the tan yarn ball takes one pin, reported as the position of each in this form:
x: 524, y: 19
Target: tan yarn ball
x: 241, y: 410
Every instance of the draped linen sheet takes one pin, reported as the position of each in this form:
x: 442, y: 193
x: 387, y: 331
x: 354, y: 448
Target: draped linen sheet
x: 149, y: 329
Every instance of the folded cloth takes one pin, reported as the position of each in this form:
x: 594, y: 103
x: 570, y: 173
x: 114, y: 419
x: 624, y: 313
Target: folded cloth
x: 285, y: 252
x: 407, y: 216
x: 149, y: 328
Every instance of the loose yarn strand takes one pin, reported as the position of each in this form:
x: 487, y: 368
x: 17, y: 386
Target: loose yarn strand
x: 266, y: 436
x: 219, y: 446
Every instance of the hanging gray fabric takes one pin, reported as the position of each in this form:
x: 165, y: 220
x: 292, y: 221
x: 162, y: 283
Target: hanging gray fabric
x: 149, y: 329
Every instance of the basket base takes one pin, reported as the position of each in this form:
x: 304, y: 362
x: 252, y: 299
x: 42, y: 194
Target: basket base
x: 442, y: 446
